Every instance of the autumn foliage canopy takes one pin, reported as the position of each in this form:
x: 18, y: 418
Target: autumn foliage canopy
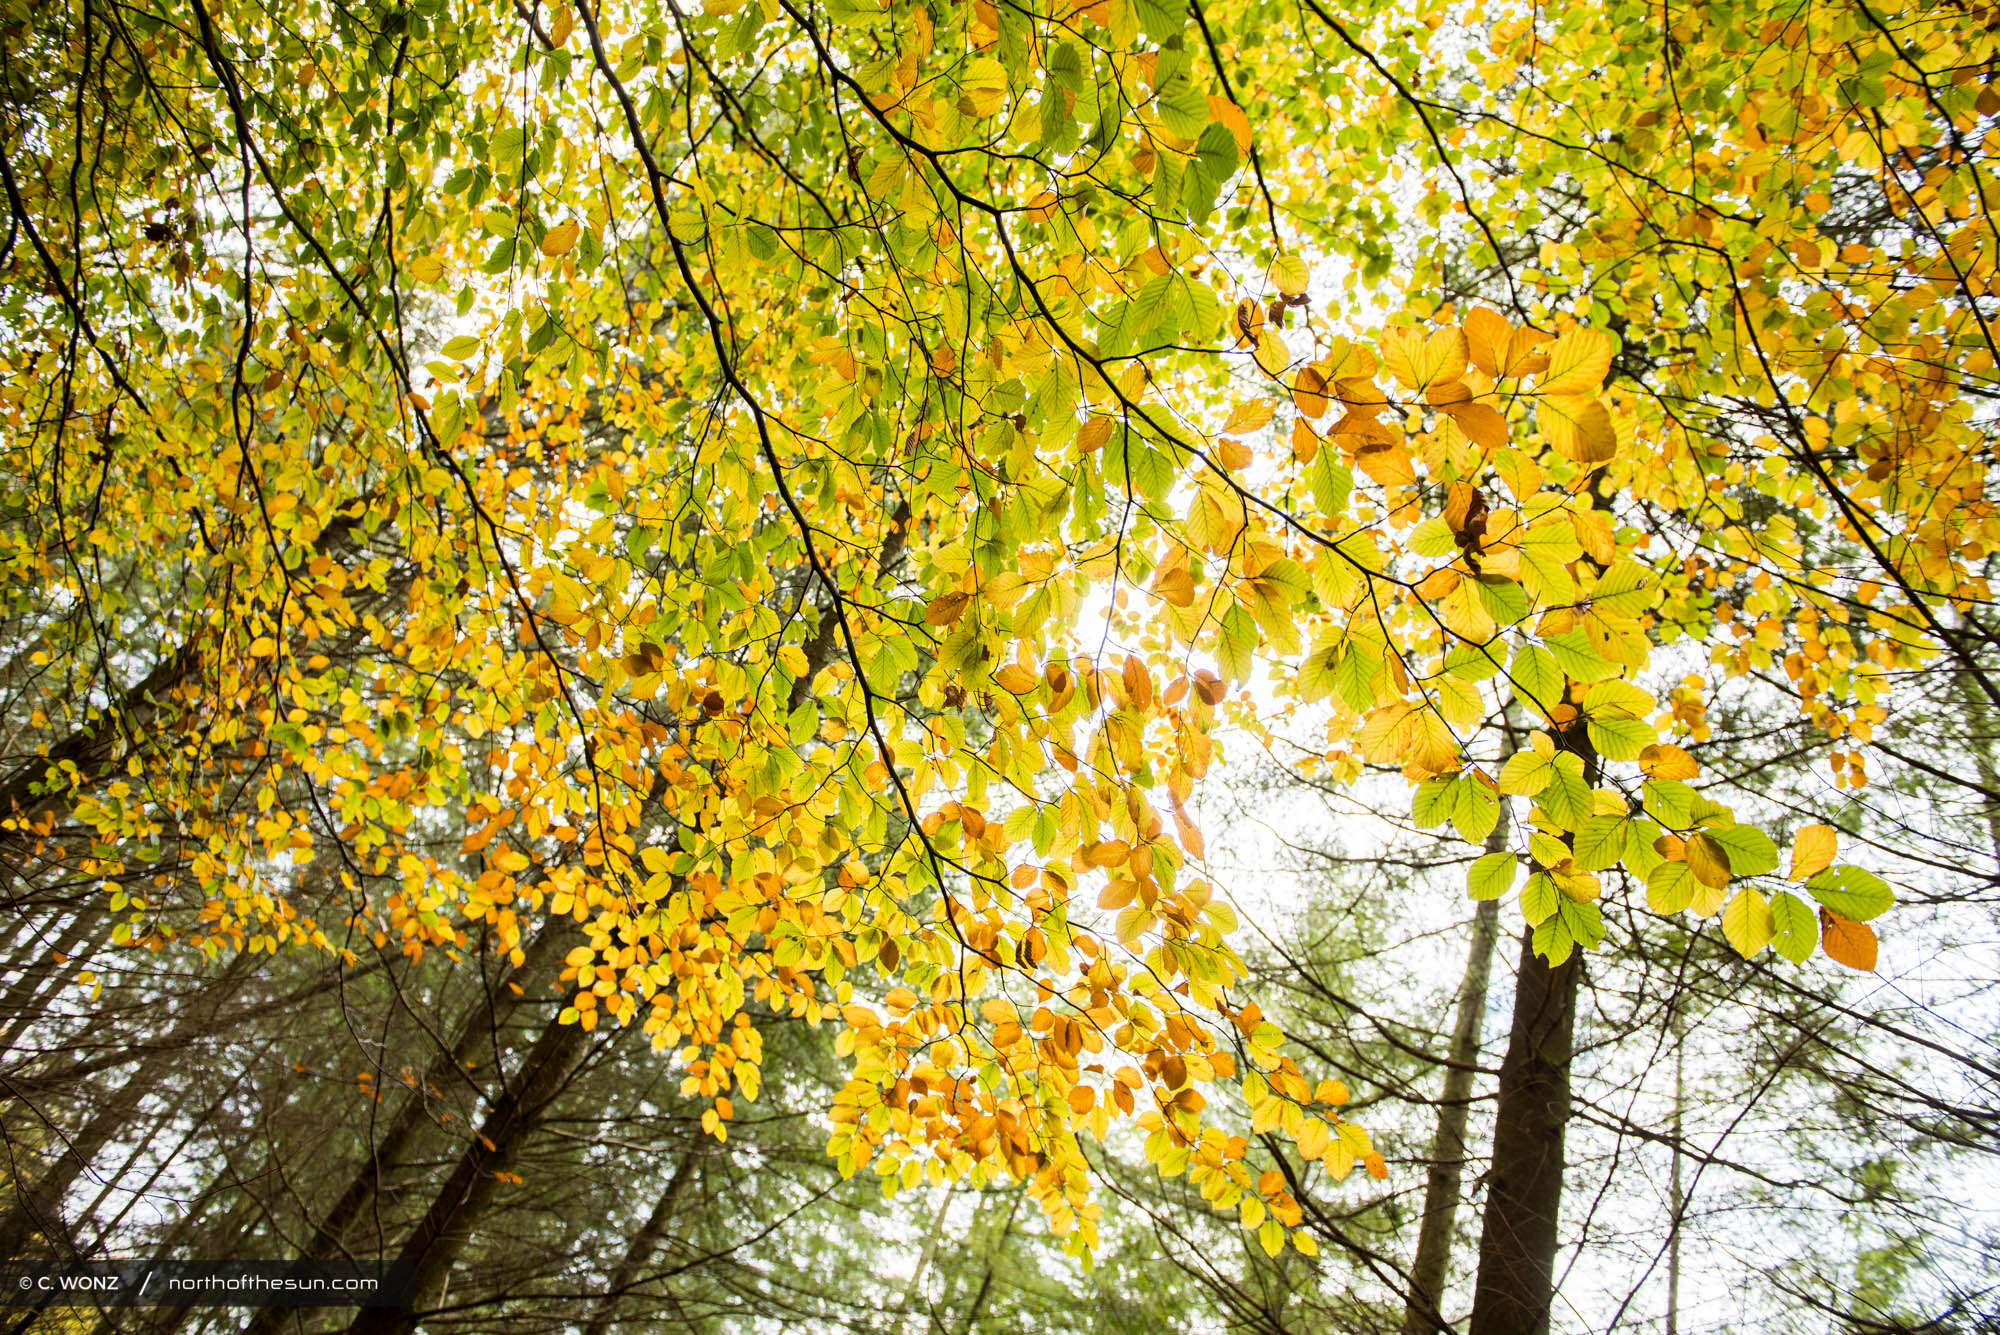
x: 799, y: 497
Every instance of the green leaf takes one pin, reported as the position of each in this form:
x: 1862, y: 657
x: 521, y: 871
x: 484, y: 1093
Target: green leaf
x: 1751, y: 852
x: 1431, y: 804
x: 1506, y: 602
x: 1538, y: 682
x: 1601, y: 842
x: 1670, y: 802
x: 1319, y: 671
x: 1239, y: 643
x: 1568, y: 799
x: 508, y: 145
x: 687, y: 225
x: 1553, y: 941
x: 1621, y: 738
x: 804, y: 723
x: 1475, y: 810
x: 1852, y: 892
x: 1526, y: 773
x: 1539, y: 899
x: 1582, y: 920
x: 1492, y: 875
x: 1670, y: 888
x: 1332, y: 481
x: 1472, y: 662
x: 1795, y: 927
x: 1577, y: 656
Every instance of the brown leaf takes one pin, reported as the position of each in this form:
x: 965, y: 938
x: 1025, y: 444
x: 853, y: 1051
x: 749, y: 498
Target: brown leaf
x: 946, y: 608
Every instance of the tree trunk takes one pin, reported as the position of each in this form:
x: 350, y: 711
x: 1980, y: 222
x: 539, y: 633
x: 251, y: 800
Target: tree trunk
x: 1446, y: 1176
x: 27, y: 998
x: 639, y: 1251
x: 490, y: 1014
x: 439, y: 1238
x: 38, y: 1209
x: 1515, y: 1286
x: 1675, y: 1187
x: 1445, y: 1179
x: 1517, y: 1241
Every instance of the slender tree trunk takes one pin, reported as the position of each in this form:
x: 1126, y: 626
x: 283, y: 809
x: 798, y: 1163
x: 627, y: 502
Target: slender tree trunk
x: 639, y: 1251
x: 440, y: 1237
x: 1678, y: 1193
x: 1445, y: 1179
x: 913, y: 1291
x: 27, y: 998
x: 38, y: 1209
x: 488, y: 1016
x: 1517, y: 1242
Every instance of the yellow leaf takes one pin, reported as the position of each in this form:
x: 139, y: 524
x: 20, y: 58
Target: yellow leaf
x: 1663, y: 760
x: 1813, y: 850
x: 1709, y: 861
x: 1421, y: 362
x: 1747, y: 923
x: 1015, y: 679
x: 1578, y: 363
x: 561, y: 239
x: 1579, y: 428
x: 425, y: 268
x: 1289, y: 273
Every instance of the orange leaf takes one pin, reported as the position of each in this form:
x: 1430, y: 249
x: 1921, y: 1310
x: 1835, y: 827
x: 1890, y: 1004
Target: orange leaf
x: 1847, y: 941
x: 1016, y: 680
x: 1485, y: 333
x: 1309, y: 392
x: 1481, y: 422
x: 1176, y: 586
x: 1245, y: 417
x: 1389, y: 465
x: 1110, y: 853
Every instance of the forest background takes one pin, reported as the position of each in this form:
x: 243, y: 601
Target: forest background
x: 905, y: 666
